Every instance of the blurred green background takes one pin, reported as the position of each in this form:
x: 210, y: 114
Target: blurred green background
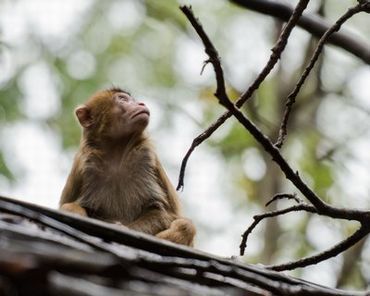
x: 55, y: 54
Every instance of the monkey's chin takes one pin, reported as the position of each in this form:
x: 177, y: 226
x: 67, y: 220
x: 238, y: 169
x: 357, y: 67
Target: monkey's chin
x: 141, y: 119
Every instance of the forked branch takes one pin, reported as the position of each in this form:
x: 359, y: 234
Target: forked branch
x: 258, y: 218
x: 275, y: 56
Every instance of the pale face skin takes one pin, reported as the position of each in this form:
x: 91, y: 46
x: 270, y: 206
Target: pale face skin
x: 128, y: 116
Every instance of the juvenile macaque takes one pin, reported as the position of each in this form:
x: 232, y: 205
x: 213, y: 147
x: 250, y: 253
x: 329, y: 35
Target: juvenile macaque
x: 116, y: 175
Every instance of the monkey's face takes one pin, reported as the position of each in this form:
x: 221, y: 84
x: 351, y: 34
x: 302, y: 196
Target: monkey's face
x: 128, y: 115
x: 112, y: 114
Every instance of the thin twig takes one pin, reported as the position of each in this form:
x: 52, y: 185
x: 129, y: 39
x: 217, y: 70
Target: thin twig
x: 292, y: 96
x: 259, y: 218
x: 275, y: 56
x: 322, y: 256
x: 282, y: 196
x: 276, y: 52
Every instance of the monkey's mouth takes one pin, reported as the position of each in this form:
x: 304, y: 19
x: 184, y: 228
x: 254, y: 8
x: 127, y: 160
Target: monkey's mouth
x: 141, y: 112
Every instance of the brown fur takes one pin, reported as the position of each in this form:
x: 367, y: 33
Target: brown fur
x: 120, y: 179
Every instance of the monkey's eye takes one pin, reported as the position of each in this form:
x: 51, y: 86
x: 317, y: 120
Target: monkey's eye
x: 123, y: 98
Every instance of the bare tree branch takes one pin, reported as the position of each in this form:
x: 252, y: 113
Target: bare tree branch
x: 312, y: 23
x: 319, y: 206
x: 292, y: 96
x: 294, y: 177
x: 332, y: 252
x: 275, y: 56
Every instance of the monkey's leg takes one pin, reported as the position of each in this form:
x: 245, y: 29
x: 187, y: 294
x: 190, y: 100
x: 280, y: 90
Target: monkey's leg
x: 74, y: 207
x: 181, y: 231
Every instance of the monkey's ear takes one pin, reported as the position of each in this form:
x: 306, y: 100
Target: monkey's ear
x: 83, y: 115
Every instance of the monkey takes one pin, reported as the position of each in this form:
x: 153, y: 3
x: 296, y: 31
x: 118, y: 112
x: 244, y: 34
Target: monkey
x: 116, y: 174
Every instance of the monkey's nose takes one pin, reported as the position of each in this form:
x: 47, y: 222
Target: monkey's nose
x: 141, y: 104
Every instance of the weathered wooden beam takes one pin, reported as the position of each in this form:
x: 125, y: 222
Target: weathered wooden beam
x: 132, y: 250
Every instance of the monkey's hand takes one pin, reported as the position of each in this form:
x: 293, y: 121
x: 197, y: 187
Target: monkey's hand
x: 75, y: 208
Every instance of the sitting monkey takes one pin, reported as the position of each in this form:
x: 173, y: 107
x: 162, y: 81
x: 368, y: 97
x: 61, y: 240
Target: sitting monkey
x: 116, y: 175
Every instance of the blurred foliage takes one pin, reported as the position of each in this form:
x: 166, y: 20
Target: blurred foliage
x: 235, y: 141
x: 320, y: 171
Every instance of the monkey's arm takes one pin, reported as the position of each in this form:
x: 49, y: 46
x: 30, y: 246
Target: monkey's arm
x: 158, y: 214
x: 164, y: 181
x: 72, y: 189
x: 181, y: 230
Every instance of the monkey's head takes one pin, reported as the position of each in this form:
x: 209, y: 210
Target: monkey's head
x: 113, y: 114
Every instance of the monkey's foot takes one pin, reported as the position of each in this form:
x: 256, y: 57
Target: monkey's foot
x: 181, y: 231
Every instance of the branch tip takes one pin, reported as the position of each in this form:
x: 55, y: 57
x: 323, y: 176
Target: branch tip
x: 205, y: 63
